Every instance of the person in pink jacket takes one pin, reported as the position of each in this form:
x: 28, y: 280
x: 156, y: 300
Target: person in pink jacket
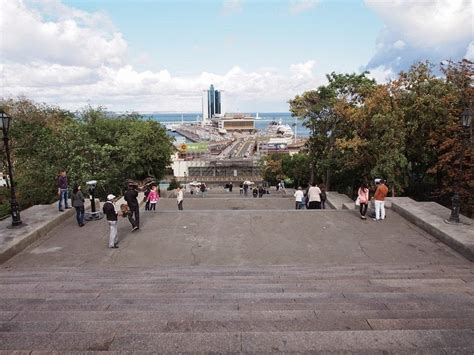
x: 363, y: 197
x: 153, y: 198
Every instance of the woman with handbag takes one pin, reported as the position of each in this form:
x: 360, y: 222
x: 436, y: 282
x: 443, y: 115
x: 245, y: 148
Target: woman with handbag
x: 363, y: 199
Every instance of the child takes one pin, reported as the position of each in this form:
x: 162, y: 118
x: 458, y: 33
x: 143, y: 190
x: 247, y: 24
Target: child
x: 153, y: 198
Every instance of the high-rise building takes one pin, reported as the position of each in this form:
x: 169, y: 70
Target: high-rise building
x: 211, y: 103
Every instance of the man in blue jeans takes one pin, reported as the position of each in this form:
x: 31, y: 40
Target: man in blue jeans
x: 62, y: 190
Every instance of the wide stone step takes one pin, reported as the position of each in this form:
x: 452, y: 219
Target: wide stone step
x: 364, y: 308
x: 295, y: 272
x: 211, y: 326
x: 361, y: 341
x: 213, y: 287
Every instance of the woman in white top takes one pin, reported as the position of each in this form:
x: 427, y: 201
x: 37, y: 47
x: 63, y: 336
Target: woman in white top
x: 314, y: 197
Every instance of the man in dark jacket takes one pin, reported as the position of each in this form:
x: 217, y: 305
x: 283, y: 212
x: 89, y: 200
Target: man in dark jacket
x: 111, y: 216
x: 131, y: 197
x: 62, y: 190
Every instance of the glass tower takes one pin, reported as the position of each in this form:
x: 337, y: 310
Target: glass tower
x: 211, y: 103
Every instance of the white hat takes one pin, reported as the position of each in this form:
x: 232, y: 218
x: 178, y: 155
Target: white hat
x: 110, y: 197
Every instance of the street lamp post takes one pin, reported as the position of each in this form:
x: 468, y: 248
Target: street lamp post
x: 14, y: 207
x: 466, y: 122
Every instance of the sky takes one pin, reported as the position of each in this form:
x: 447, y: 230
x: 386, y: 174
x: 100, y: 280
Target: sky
x: 159, y: 55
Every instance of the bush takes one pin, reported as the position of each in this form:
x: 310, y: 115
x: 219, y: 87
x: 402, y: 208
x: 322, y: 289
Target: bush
x: 174, y: 184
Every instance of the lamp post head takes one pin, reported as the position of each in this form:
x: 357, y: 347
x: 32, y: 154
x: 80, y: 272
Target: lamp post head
x: 5, y: 121
x: 466, y: 117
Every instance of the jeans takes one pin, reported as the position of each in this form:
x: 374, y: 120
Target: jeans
x: 113, y: 233
x: 379, y: 209
x: 63, y: 196
x: 323, y: 204
x: 363, y: 209
x: 180, y: 205
x: 299, y: 205
x: 80, y: 215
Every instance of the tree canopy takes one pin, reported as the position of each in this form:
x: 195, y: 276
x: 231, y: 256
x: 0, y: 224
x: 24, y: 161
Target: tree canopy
x: 89, y: 145
x: 407, y: 131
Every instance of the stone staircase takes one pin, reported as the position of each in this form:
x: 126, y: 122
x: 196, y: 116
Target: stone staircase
x: 357, y: 308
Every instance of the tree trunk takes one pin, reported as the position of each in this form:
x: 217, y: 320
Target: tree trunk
x: 328, y: 179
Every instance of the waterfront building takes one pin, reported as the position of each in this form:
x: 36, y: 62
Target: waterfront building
x: 234, y: 122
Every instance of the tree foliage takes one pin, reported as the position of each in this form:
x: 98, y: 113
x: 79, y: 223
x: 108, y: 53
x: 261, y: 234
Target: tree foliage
x: 407, y: 131
x: 89, y: 145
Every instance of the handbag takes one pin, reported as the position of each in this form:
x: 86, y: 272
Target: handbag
x: 357, y: 202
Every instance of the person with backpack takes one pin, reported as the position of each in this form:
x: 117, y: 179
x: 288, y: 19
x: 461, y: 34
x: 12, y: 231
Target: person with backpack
x: 77, y: 201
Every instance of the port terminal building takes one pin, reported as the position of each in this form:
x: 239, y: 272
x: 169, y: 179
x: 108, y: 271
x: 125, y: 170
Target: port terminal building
x: 234, y: 122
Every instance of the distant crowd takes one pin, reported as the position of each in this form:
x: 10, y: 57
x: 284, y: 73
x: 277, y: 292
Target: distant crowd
x: 313, y: 197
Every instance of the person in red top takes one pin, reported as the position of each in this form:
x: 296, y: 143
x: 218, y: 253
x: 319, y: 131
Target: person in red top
x: 379, y: 197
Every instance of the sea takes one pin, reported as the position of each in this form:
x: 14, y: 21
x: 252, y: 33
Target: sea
x: 261, y: 124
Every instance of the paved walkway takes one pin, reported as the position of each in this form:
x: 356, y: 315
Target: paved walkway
x: 237, y: 280
x: 239, y: 237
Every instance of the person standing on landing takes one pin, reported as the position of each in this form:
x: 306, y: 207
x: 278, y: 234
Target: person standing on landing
x: 111, y: 216
x: 379, y: 197
x: 131, y: 197
x: 153, y: 198
x: 323, y: 196
x: 77, y: 201
x: 314, y: 197
x: 179, y: 198
x: 62, y: 190
x: 363, y: 196
x: 299, y: 196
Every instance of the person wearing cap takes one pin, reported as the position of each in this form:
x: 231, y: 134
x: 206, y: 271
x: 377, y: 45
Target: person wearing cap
x: 111, y: 216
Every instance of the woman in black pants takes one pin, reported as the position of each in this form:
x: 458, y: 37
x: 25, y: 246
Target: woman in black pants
x: 363, y: 197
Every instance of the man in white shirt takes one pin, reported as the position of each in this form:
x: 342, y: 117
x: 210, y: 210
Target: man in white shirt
x: 179, y: 198
x: 299, y: 195
x: 314, y: 198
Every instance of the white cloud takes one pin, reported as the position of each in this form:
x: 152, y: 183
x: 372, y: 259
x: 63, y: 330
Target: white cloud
x: 66, y: 59
x: 124, y: 88
x: 299, y: 6
x: 470, y: 52
x: 303, y: 70
x: 230, y: 7
x: 381, y: 74
x: 70, y: 40
x: 399, y: 44
x: 421, y: 30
